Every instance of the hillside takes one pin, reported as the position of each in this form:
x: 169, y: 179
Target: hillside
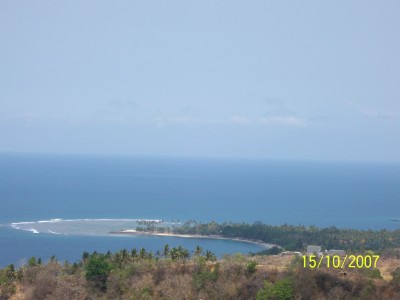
x: 175, y: 275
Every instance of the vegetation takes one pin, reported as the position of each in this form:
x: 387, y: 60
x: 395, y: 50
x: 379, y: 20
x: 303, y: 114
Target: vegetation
x: 177, y: 273
x: 97, y: 269
x: 281, y: 289
x: 294, y: 238
x: 173, y: 274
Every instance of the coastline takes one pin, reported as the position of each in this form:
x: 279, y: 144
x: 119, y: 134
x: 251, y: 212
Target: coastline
x: 195, y: 236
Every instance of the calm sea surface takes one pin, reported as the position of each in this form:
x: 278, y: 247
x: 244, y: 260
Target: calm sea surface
x: 39, y: 188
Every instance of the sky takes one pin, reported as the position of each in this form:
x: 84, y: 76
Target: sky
x: 296, y: 80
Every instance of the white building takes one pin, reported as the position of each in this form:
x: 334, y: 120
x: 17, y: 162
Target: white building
x: 311, y: 249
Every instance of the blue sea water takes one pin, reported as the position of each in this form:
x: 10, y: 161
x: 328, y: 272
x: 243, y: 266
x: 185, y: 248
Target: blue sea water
x: 44, y: 187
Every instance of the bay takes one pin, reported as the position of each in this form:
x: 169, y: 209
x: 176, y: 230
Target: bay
x: 44, y: 187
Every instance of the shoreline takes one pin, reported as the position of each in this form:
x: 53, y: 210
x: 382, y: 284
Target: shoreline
x: 196, y: 236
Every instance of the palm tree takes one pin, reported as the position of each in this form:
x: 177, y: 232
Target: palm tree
x: 179, y: 253
x: 174, y: 253
x: 124, y: 256
x: 166, y: 250
x: 85, y: 255
x: 150, y: 256
x: 185, y: 253
x: 134, y: 253
x: 117, y: 259
x: 142, y: 253
x: 198, y: 251
x: 210, y: 256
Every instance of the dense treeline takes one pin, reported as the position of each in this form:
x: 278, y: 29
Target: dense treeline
x: 175, y: 274
x: 295, y: 237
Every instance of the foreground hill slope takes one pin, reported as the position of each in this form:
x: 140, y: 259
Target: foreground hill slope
x: 174, y: 275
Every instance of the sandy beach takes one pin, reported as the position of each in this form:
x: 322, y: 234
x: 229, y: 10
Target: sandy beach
x: 196, y: 236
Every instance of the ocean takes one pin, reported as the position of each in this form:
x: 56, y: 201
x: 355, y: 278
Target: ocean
x: 96, y: 193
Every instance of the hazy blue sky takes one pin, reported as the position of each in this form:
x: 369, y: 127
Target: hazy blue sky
x: 256, y: 79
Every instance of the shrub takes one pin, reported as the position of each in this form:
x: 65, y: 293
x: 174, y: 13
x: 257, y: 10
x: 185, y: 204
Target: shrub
x: 374, y: 274
x: 281, y: 290
x: 251, y: 267
x: 97, y: 270
x: 396, y: 278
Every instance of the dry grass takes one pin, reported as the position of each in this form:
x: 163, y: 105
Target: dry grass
x: 387, y: 266
x: 175, y: 280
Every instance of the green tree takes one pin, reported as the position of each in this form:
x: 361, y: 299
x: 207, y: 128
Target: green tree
x: 10, y: 272
x: 174, y: 253
x: 198, y: 251
x: 183, y: 253
x: 142, y: 253
x: 251, y: 267
x: 281, y: 290
x: 97, y: 270
x: 133, y: 254
x: 124, y: 256
x: 210, y: 256
x: 32, y: 262
x: 166, y: 250
x: 85, y: 255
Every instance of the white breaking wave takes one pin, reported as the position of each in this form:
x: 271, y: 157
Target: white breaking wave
x: 84, y: 226
x: 53, y: 232
x: 113, y: 220
x: 22, y: 223
x: 50, y: 221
